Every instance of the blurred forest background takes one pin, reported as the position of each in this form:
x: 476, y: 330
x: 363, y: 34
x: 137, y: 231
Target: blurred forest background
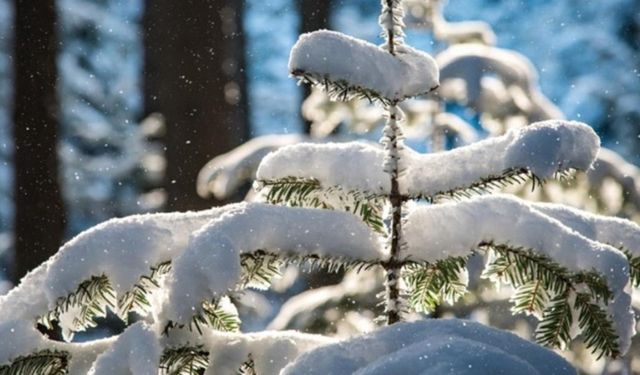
x: 111, y: 107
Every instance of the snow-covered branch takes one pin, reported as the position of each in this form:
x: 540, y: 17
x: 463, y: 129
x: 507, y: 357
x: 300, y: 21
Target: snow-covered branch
x: 210, y: 266
x: 428, y: 14
x: 356, y: 66
x: 542, y: 149
x: 471, y: 64
x: 143, y: 349
x: 224, y: 174
x: 455, y: 229
x: 102, y: 145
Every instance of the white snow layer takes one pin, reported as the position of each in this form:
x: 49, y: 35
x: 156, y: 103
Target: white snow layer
x: 453, y: 229
x: 339, y: 57
x: 135, y: 352
x: 432, y: 347
x: 210, y: 266
x: 617, y: 232
x: 222, y: 175
x: 20, y: 337
x: 270, y: 350
x: 542, y: 148
x: 123, y: 249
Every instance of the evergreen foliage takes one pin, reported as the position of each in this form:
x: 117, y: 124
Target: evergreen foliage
x: 296, y: 192
x: 45, y: 362
x: 559, y: 297
x: 429, y: 285
x: 187, y: 360
x: 248, y: 367
x: 91, y: 300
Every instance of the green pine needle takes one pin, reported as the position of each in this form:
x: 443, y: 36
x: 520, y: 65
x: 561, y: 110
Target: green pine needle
x: 186, y: 360
x: 92, y: 299
x: 634, y: 271
x: 597, y: 327
x: 428, y: 285
x: 248, y: 367
x: 554, y: 329
x: 536, y: 277
x: 340, y: 90
x: 45, y: 362
x: 216, y: 315
x: 301, y: 192
x: 329, y: 264
x: 258, y: 269
x: 530, y: 298
x: 514, y: 176
x: 137, y: 299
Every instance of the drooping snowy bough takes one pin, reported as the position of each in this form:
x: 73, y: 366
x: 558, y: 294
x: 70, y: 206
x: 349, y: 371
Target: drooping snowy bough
x: 172, y: 278
x: 125, y: 265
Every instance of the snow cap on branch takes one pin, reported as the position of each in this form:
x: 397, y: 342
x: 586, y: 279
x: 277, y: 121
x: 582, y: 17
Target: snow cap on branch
x: 123, y: 249
x: 433, y: 346
x: 136, y: 351
x: 613, y: 231
x: 210, y: 266
x: 454, y: 229
x: 363, y: 66
x: 542, y: 149
x: 224, y: 174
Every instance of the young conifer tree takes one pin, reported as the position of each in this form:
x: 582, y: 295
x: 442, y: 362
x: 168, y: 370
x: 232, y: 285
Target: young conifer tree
x: 172, y: 278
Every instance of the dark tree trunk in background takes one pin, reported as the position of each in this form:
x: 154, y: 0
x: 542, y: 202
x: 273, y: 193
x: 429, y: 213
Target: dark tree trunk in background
x: 314, y: 15
x: 39, y: 218
x: 195, y: 77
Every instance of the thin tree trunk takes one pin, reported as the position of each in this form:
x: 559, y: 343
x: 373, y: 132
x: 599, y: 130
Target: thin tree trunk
x: 314, y: 15
x: 195, y: 77
x: 393, y: 135
x: 39, y: 217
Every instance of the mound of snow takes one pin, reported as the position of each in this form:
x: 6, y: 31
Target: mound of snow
x: 432, y: 347
x: 338, y: 57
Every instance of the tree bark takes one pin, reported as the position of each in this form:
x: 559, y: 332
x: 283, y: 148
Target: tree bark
x: 314, y: 15
x: 39, y: 216
x: 195, y: 77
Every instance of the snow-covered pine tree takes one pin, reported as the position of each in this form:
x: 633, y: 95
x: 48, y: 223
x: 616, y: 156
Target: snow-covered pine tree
x: 176, y: 275
x: 107, y: 161
x: 315, y: 174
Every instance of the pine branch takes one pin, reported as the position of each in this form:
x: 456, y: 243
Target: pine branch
x: 518, y: 266
x: 428, y: 285
x: 535, y: 277
x: 340, y: 90
x: 219, y: 315
x: 530, y: 298
x: 596, y: 285
x: 554, y: 329
x: 248, y: 367
x: 258, y: 269
x: 89, y: 301
x: 136, y: 299
x: 45, y: 362
x: 634, y: 268
x: 597, y: 327
x: 300, y: 192
x: 186, y: 360
x: 516, y: 176
x: 329, y: 264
